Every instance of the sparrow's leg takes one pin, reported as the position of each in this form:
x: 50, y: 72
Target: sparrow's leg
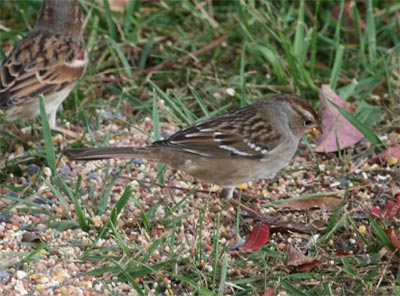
x: 52, y: 119
x: 227, y: 193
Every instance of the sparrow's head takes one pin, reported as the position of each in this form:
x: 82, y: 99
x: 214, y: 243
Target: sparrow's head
x: 57, y: 16
x: 301, y: 116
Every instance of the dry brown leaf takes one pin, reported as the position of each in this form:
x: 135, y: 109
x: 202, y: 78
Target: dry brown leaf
x: 303, y: 204
x: 295, y: 226
x: 297, y: 259
x: 336, y: 129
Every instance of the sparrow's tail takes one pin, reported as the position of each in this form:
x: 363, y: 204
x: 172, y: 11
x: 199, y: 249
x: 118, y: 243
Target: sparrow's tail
x: 111, y: 152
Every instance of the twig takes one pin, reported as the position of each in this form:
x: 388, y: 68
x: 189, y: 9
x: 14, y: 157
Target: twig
x: 169, y: 63
x: 167, y: 186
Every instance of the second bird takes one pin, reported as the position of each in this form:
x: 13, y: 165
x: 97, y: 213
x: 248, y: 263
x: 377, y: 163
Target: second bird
x: 48, y: 61
x: 236, y: 147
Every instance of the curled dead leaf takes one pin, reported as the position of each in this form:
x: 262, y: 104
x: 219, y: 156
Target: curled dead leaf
x: 297, y: 259
x: 337, y: 132
x: 258, y: 237
x: 328, y: 202
x: 390, y: 210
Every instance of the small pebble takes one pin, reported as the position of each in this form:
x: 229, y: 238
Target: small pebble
x: 65, y: 171
x: 19, y: 287
x: 334, y: 184
x: 230, y: 91
x: 4, y: 276
x: 21, y: 274
x: 92, y: 176
x: 47, y: 172
x: 139, y: 161
x: 217, y: 96
x: 32, y: 169
x: 40, y: 201
x: 12, y: 194
x: 5, y: 217
x: 362, y: 229
x: 344, y: 182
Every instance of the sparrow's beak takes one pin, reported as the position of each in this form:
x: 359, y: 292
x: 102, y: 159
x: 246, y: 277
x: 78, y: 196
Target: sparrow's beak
x: 315, y: 131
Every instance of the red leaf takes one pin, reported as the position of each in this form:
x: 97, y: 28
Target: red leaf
x: 269, y: 292
x: 342, y: 253
x: 348, y: 20
x: 389, y: 153
x: 258, y: 237
x: 391, y: 209
x: 308, y: 266
x: 393, y: 238
x: 335, y: 127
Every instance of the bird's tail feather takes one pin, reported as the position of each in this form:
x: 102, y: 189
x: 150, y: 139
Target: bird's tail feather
x: 109, y: 152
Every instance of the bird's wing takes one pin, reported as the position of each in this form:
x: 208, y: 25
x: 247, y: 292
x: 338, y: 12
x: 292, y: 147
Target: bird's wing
x: 242, y: 133
x: 41, y: 64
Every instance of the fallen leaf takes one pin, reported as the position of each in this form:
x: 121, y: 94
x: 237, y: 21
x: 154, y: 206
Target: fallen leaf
x: 295, y: 226
x: 393, y: 238
x: 348, y: 20
x: 118, y: 5
x: 258, y: 237
x: 308, y: 266
x: 269, y: 292
x: 303, y: 204
x: 336, y: 129
x: 391, y: 209
x: 391, y: 155
x: 297, y: 259
x: 342, y: 253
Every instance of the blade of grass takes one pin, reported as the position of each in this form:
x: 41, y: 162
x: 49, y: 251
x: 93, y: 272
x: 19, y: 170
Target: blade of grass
x: 200, y: 101
x: 216, y: 234
x: 368, y: 133
x: 197, y: 287
x: 381, y: 233
x: 113, y: 218
x: 361, y: 41
x: 146, y: 52
x: 371, y: 32
x: 80, y: 214
x: 125, y: 63
x: 242, y: 76
x: 110, y: 24
x: 292, y: 289
x: 298, y: 47
x: 48, y: 141
x: 337, y: 66
x: 157, y: 136
x: 224, y: 269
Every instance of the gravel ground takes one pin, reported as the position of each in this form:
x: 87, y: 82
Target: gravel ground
x: 39, y: 258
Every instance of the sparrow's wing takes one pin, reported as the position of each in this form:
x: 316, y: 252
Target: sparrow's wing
x: 242, y: 133
x: 41, y: 64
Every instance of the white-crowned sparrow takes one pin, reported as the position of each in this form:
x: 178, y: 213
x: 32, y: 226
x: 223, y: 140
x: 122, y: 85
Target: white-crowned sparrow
x: 249, y: 143
x: 48, y: 61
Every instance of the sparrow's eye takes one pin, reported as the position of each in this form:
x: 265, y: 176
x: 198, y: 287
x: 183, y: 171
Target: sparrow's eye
x: 308, y: 122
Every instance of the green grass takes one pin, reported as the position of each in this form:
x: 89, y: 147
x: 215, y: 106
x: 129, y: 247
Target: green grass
x: 154, y: 60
